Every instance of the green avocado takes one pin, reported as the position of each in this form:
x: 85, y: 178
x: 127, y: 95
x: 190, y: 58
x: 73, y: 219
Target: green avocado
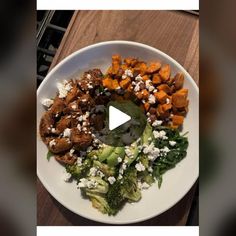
x: 112, y: 159
x: 147, y: 134
x: 106, y: 152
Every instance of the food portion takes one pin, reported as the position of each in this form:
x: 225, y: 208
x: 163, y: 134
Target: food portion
x: 112, y: 175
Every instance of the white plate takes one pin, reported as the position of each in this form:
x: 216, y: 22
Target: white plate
x: 176, y: 182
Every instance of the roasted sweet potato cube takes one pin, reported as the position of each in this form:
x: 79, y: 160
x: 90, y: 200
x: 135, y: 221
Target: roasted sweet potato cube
x: 179, y: 81
x: 166, y: 107
x: 165, y: 88
x: 156, y: 79
x: 145, y: 77
x: 165, y: 72
x: 146, y: 106
x: 145, y: 93
x: 124, y: 83
x: 183, y: 91
x: 116, y: 58
x: 161, y: 112
x: 153, y: 67
x: 161, y: 96
x: 177, y: 120
x: 107, y: 82
x: 115, y: 84
x: 179, y: 99
x: 140, y: 68
x: 130, y: 61
x: 152, y: 110
x: 115, y: 67
x: 139, y: 95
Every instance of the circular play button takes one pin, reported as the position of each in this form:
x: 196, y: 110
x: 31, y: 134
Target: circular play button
x: 123, y: 123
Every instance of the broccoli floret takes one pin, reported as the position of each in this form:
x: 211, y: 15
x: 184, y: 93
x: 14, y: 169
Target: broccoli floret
x: 114, y: 197
x: 99, y: 202
x: 129, y: 187
x: 78, y: 172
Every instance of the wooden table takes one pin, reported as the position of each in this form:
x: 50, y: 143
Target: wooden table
x: 175, y: 33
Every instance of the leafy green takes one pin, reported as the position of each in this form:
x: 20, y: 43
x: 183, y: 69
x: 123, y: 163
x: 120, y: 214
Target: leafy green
x: 49, y: 155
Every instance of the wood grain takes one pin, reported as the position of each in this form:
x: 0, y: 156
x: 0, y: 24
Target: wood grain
x: 175, y: 33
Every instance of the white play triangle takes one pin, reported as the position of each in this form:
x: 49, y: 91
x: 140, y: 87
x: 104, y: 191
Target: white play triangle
x: 117, y: 118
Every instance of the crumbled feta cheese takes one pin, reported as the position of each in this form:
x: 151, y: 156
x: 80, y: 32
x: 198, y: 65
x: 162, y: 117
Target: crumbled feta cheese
x: 150, y: 169
x: 137, y: 87
x: 79, y: 161
x: 145, y: 185
x: 128, y: 73
x: 128, y: 152
x: 120, y: 176
x: 172, y: 143
x: 67, y: 133
x: 79, y: 127
x: 63, y: 88
x: 140, y: 167
x: 165, y: 149
x: 111, y: 179
x: 161, y: 134
x: 157, y: 123
x: 93, y: 171
x: 138, y: 78
x: 66, y: 176
x: 72, y: 150
x: 151, y: 88
x: 167, y: 101
x: 74, y: 106
x: 52, y: 143
x: 151, y: 99
x: 53, y: 130
x: 47, y: 102
x: 88, y: 76
x: 99, y: 173
x: 119, y: 159
x: 151, y: 151
x: 85, y: 183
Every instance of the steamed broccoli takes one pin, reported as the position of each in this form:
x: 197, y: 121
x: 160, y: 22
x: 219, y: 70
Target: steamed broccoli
x: 129, y: 188
x: 78, y: 172
x: 99, y: 202
x: 114, y: 197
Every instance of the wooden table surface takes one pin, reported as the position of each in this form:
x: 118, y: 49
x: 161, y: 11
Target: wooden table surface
x: 173, y: 32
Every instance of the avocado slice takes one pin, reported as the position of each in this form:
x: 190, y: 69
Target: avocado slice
x: 147, y: 134
x: 112, y: 160
x: 106, y: 151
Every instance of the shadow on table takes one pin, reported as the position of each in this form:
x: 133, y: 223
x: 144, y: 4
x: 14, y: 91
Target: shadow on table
x: 177, y: 215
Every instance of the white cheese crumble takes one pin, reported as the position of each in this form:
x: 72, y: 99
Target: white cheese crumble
x: 172, y: 143
x: 119, y: 159
x: 140, y: 167
x: 72, y: 150
x: 66, y: 177
x: 88, y: 76
x: 74, y: 106
x: 151, y: 99
x: 47, y: 102
x: 52, y: 143
x: 63, y: 88
x: 138, y: 78
x: 157, y: 123
x: 53, y: 130
x: 143, y: 185
x: 67, y: 133
x: 167, y: 101
x: 85, y: 183
x: 79, y: 161
x: 93, y: 171
x: 152, y: 151
x: 111, y: 179
x: 127, y: 73
x: 161, y: 134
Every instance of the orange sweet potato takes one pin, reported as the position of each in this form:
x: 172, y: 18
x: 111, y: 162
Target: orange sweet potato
x: 139, y: 95
x: 156, y: 79
x: 124, y: 83
x: 166, y: 107
x: 165, y: 72
x: 165, y: 88
x: 179, y: 98
x: 161, y: 96
x: 179, y: 81
x: 146, y: 106
x: 145, y: 77
x: 177, y: 120
x: 145, y: 93
x: 153, y: 67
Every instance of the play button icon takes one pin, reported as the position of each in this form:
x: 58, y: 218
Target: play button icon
x: 123, y: 123
x: 117, y: 118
